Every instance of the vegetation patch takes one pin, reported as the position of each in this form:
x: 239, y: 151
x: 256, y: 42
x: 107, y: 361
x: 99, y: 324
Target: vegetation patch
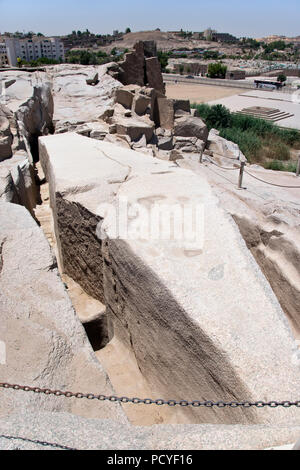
x: 259, y: 140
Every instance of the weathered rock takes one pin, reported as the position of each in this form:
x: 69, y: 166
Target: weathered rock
x: 135, y: 128
x: 154, y: 75
x: 165, y: 113
x: 6, y: 137
x: 73, y: 98
x: 195, y: 112
x: 141, y: 68
x: 124, y: 97
x: 112, y: 129
x: 141, y: 104
x: 121, y: 140
x: 189, y: 126
x: 182, y: 105
x: 45, y: 341
x: 140, y: 143
x: 150, y: 48
x: 151, y: 286
x: 63, y: 429
x: 132, y: 68
x: 223, y: 147
x: 175, y: 155
x: 17, y: 182
x: 165, y: 143
x: 29, y: 100
x: 94, y: 80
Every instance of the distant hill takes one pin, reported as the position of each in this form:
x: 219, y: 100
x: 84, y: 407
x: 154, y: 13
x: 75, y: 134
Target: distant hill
x: 165, y: 41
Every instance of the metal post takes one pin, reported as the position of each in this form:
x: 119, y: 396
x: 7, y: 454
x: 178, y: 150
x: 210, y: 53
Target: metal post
x: 241, y: 175
x: 298, y: 167
x: 201, y: 157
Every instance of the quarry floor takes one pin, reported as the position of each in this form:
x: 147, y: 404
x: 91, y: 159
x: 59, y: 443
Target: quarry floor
x: 199, y: 93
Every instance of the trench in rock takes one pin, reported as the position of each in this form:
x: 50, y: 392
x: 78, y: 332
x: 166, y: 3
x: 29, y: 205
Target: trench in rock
x: 118, y: 360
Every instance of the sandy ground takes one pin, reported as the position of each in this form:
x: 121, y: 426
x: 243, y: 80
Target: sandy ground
x: 199, y: 93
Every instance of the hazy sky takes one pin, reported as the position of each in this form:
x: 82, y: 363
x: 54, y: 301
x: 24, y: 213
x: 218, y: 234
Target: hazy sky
x: 253, y: 18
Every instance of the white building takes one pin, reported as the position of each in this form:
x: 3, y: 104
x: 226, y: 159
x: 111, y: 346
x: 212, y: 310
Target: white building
x: 32, y: 49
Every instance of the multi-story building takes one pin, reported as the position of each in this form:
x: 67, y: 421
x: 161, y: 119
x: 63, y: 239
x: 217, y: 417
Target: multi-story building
x: 3, y: 60
x: 3, y: 55
x: 33, y: 49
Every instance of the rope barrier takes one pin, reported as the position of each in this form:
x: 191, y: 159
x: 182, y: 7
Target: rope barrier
x: 222, y: 167
x: 150, y: 401
x: 272, y: 184
x: 255, y: 177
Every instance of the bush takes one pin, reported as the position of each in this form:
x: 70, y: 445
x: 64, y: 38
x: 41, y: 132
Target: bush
x: 279, y: 166
x: 218, y: 116
x: 277, y: 150
x: 203, y: 109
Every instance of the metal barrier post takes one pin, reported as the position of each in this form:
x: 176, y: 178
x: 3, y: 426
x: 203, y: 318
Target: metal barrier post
x: 241, y: 175
x: 298, y: 167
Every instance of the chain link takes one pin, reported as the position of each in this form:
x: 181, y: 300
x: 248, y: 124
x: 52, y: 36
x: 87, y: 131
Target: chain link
x: 150, y: 401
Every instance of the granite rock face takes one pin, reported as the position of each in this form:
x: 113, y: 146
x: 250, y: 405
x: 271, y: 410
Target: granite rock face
x: 188, y: 126
x: 17, y: 182
x: 142, y: 68
x: 188, y: 310
x: 45, y: 341
x: 29, y: 109
x: 63, y: 429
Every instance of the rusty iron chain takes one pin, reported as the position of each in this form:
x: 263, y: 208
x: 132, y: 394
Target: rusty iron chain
x: 150, y: 401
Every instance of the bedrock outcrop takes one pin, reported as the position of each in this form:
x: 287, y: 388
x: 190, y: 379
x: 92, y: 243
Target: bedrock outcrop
x: 44, y: 340
x: 189, y: 311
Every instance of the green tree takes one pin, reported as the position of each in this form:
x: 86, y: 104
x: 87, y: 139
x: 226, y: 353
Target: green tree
x: 217, y: 70
x: 218, y: 116
x: 163, y: 58
x: 281, y: 78
x: 128, y: 30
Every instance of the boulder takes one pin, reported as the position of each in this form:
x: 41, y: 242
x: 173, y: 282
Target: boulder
x: 165, y: 113
x: 142, y: 143
x: 171, y: 297
x: 189, y: 126
x: 124, y: 97
x: 141, y: 104
x: 135, y: 128
x: 93, y: 81
x: 223, y: 147
x: 165, y: 143
x: 182, y: 105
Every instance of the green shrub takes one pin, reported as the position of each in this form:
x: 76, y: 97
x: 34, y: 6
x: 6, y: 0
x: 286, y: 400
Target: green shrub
x: 277, y: 150
x: 217, y: 70
x: 249, y: 143
x: 279, y: 166
x: 218, y: 116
